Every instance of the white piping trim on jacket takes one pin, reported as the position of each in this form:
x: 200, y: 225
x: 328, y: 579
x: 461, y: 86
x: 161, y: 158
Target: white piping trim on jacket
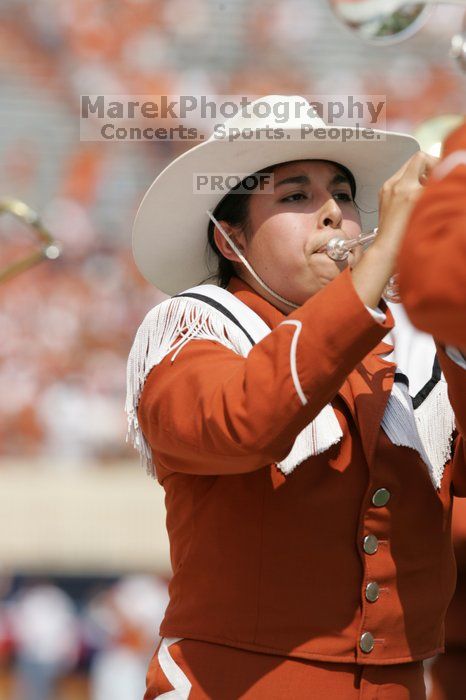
x: 294, y: 370
x: 448, y: 164
x: 175, y: 675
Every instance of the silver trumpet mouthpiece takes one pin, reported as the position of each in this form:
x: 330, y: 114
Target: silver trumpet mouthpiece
x: 339, y: 248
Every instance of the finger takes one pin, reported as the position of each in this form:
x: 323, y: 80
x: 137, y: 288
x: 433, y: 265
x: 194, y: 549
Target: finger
x: 431, y: 162
x: 418, y: 167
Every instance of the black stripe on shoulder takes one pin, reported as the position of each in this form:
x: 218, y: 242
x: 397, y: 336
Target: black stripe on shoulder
x: 402, y: 378
x: 219, y: 307
x: 423, y: 393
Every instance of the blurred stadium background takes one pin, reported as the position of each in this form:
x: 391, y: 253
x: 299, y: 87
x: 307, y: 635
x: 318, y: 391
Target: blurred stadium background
x: 83, y: 551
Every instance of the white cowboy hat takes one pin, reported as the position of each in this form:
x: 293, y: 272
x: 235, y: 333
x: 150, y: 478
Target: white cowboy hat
x: 170, y: 229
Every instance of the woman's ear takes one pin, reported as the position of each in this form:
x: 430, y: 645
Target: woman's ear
x: 237, y: 236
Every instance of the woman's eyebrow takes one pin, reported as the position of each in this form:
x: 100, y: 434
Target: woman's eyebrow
x: 339, y: 178
x: 294, y: 180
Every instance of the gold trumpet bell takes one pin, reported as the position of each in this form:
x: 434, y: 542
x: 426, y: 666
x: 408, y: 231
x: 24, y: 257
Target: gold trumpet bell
x: 47, y: 248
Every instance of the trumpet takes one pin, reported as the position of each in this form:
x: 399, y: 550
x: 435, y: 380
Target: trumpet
x: 48, y: 249
x: 339, y: 249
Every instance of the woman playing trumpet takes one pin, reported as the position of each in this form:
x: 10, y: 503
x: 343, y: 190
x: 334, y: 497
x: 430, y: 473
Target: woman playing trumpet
x: 302, y: 433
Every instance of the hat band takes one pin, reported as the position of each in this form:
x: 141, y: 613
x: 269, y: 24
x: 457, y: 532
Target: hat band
x: 247, y: 265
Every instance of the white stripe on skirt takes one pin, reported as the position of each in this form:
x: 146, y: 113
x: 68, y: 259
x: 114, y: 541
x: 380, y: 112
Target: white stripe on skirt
x: 174, y: 674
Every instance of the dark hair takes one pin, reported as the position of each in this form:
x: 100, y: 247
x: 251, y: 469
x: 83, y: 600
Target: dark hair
x: 234, y: 209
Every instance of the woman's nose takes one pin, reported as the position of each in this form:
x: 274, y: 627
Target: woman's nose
x: 329, y: 214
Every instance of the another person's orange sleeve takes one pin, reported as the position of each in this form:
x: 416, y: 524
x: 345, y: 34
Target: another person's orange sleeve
x: 456, y: 380
x: 432, y: 260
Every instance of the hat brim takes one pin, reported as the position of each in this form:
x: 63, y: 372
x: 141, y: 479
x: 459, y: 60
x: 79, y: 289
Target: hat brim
x: 170, y: 229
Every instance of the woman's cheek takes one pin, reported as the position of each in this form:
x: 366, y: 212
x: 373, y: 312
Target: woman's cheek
x: 286, y: 258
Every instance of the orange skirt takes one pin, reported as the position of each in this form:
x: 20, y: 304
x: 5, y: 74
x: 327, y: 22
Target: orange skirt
x: 188, y: 668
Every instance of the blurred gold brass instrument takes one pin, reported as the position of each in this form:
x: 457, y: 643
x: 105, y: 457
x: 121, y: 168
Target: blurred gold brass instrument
x: 48, y: 250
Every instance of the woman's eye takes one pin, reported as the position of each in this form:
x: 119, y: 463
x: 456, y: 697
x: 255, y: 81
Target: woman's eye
x: 290, y: 197
x: 297, y: 196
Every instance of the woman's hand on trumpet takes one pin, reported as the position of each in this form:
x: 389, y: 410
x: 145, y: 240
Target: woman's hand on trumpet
x: 397, y: 198
x: 396, y: 201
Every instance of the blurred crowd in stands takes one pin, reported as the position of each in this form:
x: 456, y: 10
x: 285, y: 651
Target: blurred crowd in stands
x: 90, y: 643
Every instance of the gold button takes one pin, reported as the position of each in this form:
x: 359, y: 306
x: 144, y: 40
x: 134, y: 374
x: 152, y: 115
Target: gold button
x: 366, y: 642
x: 381, y: 497
x: 370, y: 544
x: 372, y: 591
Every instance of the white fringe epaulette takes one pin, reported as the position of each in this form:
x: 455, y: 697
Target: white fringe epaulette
x: 178, y: 320
x: 169, y: 326
x: 427, y: 429
x: 320, y: 434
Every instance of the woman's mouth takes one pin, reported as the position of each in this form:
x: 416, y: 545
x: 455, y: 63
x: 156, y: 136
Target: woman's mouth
x: 323, y: 248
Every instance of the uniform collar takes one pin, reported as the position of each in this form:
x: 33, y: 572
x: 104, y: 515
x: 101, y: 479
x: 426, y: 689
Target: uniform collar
x: 273, y: 316
x: 245, y: 293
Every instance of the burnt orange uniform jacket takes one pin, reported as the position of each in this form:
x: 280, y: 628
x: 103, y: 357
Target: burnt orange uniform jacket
x: 275, y: 563
x: 432, y: 261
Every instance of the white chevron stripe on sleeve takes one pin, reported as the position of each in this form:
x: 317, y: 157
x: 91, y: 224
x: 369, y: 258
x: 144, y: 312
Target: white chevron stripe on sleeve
x: 294, y: 370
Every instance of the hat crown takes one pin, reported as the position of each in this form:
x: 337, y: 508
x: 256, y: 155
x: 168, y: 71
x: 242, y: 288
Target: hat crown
x: 274, y: 112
